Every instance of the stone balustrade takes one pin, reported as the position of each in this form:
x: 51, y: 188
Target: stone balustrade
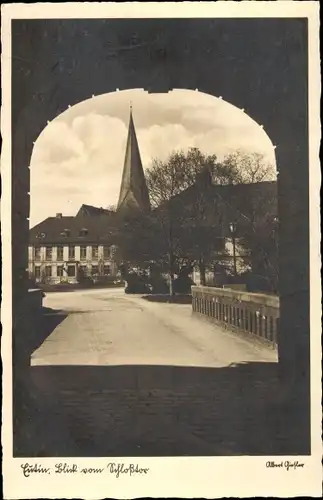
x: 240, y: 311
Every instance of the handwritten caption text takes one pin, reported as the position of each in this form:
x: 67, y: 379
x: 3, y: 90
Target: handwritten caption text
x: 116, y: 469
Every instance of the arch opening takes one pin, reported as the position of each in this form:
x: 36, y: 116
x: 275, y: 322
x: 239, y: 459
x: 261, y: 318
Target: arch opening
x: 77, y: 162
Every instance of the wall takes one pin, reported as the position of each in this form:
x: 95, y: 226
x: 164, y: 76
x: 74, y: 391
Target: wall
x: 243, y: 312
x: 33, y: 302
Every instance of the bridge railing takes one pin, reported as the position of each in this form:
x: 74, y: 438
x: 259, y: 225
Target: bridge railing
x: 243, y: 312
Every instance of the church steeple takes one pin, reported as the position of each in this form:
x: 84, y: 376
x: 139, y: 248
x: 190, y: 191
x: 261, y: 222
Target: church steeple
x: 133, y: 190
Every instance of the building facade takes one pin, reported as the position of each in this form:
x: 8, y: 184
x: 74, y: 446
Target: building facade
x: 85, y: 253
x: 56, y: 264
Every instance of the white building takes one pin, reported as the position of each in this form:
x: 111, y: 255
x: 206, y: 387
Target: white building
x: 68, y: 248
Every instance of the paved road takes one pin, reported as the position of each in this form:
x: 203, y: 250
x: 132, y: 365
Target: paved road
x: 122, y: 376
x: 108, y: 327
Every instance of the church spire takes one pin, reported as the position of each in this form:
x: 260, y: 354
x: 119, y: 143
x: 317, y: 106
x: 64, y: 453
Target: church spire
x: 133, y: 190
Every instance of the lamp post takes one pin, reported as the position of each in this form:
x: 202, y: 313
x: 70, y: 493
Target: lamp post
x: 233, y: 227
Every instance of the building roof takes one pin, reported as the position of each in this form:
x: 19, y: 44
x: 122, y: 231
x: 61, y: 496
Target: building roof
x: 223, y: 204
x: 242, y: 200
x: 77, y: 230
x: 133, y: 190
x: 90, y: 210
x: 233, y: 203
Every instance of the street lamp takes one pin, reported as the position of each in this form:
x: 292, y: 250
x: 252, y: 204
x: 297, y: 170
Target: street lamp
x: 233, y: 228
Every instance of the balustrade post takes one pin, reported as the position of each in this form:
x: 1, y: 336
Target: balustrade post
x: 271, y: 328
x: 257, y: 323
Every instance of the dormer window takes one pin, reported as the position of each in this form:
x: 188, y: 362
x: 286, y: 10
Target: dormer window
x: 66, y: 233
x: 40, y: 235
x: 83, y: 232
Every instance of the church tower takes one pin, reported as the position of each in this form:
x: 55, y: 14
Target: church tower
x: 133, y: 191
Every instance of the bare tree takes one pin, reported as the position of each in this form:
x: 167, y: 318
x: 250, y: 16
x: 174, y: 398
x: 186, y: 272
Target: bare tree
x: 166, y: 182
x: 201, y: 236
x: 247, y: 168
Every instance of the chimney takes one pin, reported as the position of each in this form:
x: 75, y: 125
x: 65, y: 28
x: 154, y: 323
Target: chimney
x: 59, y: 216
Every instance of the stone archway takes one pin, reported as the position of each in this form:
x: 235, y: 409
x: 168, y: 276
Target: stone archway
x: 256, y: 64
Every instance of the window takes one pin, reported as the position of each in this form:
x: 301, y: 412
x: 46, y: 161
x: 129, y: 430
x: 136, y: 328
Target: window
x: 37, y: 253
x: 106, y: 252
x: 49, y: 253
x: 48, y: 271
x: 71, y: 271
x: 37, y: 272
x: 40, y: 236
x: 83, y: 253
x: 83, y: 232
x: 71, y: 253
x: 60, y: 271
x: 59, y: 253
x: 95, y: 252
x: 106, y: 269
x: 66, y: 233
x: 95, y: 270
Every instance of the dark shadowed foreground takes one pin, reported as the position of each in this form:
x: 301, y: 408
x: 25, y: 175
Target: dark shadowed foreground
x: 108, y: 378
x: 152, y: 410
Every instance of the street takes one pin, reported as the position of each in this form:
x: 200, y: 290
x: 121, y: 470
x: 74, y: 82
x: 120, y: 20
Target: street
x: 108, y: 327
x: 121, y: 376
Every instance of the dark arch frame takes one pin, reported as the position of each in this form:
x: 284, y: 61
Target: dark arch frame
x: 258, y: 64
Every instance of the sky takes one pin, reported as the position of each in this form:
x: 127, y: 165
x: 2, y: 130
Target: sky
x: 78, y: 158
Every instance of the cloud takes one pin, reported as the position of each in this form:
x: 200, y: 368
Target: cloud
x: 57, y: 143
x: 79, y: 157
